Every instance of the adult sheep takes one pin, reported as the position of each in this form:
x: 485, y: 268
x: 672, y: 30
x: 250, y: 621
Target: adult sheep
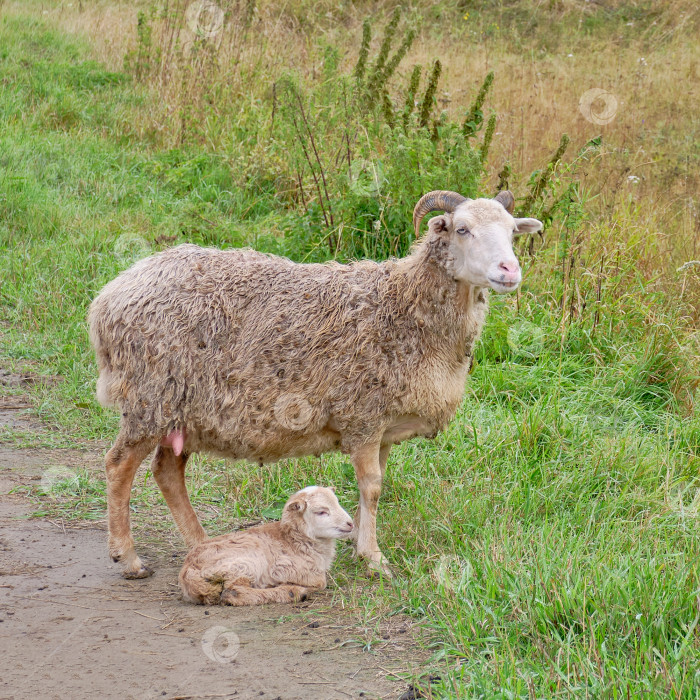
x: 255, y: 357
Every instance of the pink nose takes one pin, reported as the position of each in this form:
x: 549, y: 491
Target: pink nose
x: 511, y: 267
x: 350, y: 524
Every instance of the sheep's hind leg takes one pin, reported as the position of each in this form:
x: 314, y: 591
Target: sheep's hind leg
x: 245, y: 595
x: 121, y: 464
x: 369, y: 470
x: 169, y: 473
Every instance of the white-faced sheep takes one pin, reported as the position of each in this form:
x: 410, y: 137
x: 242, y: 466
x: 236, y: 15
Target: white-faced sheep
x: 255, y: 357
x: 280, y: 562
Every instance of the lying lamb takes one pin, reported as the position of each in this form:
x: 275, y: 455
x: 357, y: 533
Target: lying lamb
x: 279, y: 562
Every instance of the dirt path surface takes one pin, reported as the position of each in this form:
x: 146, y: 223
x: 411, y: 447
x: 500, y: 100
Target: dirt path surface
x: 70, y: 626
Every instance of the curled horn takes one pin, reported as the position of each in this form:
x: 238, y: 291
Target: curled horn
x: 505, y: 197
x: 437, y: 200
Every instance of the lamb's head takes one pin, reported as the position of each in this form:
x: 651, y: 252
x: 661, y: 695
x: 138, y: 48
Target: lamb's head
x: 315, y: 511
x: 480, y: 234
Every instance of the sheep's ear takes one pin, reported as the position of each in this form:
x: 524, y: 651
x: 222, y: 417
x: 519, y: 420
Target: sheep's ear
x: 527, y: 226
x: 440, y: 224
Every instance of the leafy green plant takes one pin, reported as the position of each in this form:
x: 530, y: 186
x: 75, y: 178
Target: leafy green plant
x: 475, y: 117
x: 358, y: 190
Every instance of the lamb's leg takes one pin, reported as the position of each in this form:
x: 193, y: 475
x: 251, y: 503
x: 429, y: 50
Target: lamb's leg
x: 245, y: 595
x: 369, y: 470
x: 121, y: 464
x: 169, y: 472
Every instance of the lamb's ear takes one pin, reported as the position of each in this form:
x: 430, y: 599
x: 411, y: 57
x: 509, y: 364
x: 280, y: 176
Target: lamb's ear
x: 527, y: 226
x: 440, y: 224
x: 298, y: 505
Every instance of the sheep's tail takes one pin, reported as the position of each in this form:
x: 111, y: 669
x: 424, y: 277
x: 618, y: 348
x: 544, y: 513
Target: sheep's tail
x: 105, y: 396
x: 106, y: 379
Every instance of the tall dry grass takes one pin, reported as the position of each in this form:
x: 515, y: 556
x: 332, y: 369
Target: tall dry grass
x: 642, y: 181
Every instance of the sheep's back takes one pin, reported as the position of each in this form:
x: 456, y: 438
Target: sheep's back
x: 239, y: 347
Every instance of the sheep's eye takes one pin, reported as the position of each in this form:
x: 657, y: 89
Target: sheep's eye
x: 321, y: 512
x: 462, y: 230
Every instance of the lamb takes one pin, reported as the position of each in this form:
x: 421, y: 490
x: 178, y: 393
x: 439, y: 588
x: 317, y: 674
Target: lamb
x: 255, y: 357
x: 279, y: 562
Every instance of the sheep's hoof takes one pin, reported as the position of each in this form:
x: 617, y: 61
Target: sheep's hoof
x: 142, y: 572
x: 379, y: 568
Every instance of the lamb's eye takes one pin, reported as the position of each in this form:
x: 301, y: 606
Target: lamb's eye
x: 321, y: 512
x: 462, y: 230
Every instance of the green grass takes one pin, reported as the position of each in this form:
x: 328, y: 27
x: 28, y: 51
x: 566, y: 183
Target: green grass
x: 548, y: 540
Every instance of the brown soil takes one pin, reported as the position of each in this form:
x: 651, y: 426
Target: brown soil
x: 70, y: 626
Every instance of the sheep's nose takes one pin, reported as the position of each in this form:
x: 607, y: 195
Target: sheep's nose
x: 510, y: 266
x: 350, y: 524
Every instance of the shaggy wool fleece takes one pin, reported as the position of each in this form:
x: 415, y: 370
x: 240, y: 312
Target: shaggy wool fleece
x: 253, y: 356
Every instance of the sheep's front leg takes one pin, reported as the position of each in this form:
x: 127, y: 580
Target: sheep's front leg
x: 370, y: 462
x: 121, y: 464
x: 169, y: 473
x: 383, y: 457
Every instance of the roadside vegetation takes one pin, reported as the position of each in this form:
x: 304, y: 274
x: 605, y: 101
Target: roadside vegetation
x: 549, y: 540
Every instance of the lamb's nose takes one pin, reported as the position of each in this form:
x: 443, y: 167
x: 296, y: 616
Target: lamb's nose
x: 349, y: 523
x: 510, y: 266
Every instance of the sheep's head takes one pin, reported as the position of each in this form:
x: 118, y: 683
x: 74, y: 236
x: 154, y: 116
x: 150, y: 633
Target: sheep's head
x: 316, y: 511
x: 480, y: 233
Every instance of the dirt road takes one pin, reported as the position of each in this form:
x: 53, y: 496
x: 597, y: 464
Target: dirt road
x: 71, y: 627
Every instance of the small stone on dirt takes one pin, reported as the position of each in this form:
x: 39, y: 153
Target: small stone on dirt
x: 416, y: 691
